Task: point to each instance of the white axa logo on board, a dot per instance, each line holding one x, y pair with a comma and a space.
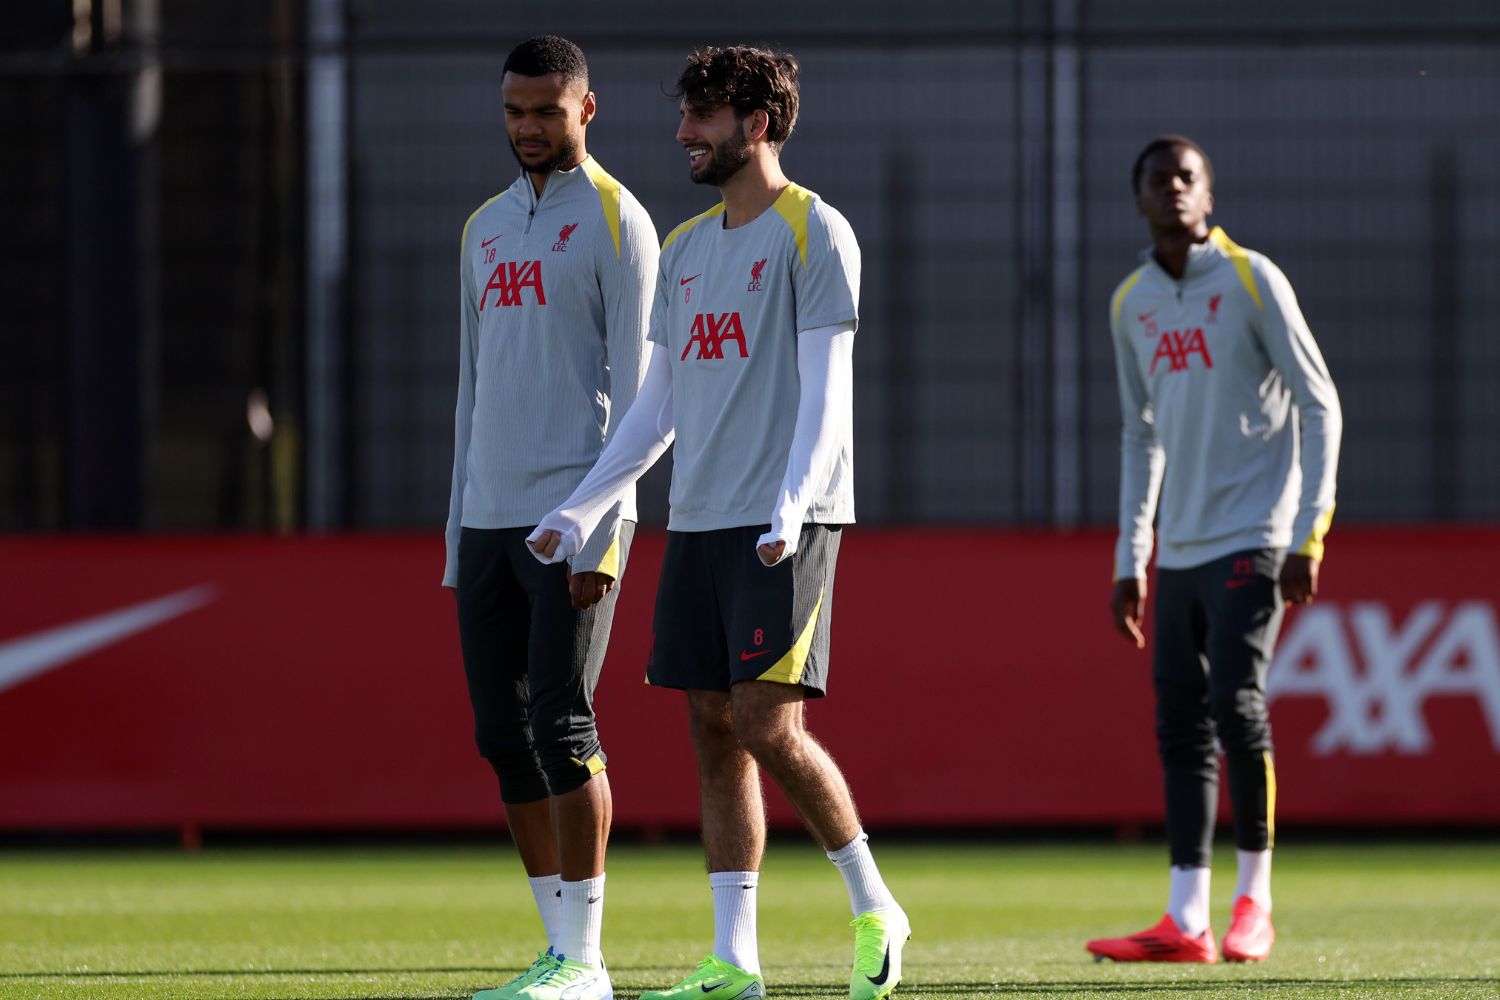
1376, 684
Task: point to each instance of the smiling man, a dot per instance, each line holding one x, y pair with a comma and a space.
1231, 417
556, 274
751, 368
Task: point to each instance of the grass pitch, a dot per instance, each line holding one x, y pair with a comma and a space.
990, 921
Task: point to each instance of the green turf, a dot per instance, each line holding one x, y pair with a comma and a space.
1355, 921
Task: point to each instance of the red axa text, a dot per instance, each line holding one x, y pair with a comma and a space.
1177, 346
710, 331
508, 281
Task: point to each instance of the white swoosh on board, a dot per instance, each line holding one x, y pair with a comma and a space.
24, 658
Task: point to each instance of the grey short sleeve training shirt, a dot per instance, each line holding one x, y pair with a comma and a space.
729, 305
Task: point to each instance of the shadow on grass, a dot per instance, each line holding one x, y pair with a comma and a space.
1356, 987
1054, 988
480, 970
809, 989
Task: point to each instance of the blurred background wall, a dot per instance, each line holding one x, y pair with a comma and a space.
228, 287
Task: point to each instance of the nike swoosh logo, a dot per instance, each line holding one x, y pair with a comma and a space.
709, 989
750, 656
885, 969
28, 656
579, 989
485, 243
593, 900
683, 281
1231, 584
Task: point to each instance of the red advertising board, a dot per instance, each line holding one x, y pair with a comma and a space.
255, 683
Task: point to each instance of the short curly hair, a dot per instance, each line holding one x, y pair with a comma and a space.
544, 55
1168, 141
746, 79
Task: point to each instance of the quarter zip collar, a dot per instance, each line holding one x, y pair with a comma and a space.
1202, 257
558, 179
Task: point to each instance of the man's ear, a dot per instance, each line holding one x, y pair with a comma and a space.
757, 124
590, 108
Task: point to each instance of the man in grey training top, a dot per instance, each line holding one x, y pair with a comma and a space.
751, 368
556, 275
1231, 417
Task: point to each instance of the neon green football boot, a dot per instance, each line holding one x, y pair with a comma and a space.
568, 980
879, 938
544, 961
724, 981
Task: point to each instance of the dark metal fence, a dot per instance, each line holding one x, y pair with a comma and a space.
223, 213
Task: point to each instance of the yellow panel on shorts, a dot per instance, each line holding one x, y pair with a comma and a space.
788, 669
594, 764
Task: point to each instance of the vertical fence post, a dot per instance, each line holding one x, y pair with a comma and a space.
1034, 381
327, 262
1447, 417
1067, 368
109, 119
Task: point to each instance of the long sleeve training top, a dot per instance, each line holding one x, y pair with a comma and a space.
1230, 416
554, 309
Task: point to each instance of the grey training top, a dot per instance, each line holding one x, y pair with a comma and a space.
1229, 412
729, 306
554, 307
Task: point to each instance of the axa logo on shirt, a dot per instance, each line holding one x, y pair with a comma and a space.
1177, 346
710, 331
1377, 684
510, 279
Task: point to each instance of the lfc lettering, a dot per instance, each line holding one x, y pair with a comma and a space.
510, 279
710, 331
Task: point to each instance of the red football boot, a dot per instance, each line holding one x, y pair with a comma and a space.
1250, 932
1162, 943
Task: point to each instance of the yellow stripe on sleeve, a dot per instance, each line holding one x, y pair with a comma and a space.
689, 224
1118, 301
1313, 547
788, 669
609, 197
1241, 261
795, 205
463, 240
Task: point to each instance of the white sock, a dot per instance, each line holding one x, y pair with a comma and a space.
867, 891
582, 921
735, 939
1188, 904
547, 892
1255, 877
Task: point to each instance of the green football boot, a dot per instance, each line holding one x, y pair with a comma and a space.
568, 980
544, 961
879, 938
722, 980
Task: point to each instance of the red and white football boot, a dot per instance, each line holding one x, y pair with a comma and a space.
1250, 932
1162, 943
